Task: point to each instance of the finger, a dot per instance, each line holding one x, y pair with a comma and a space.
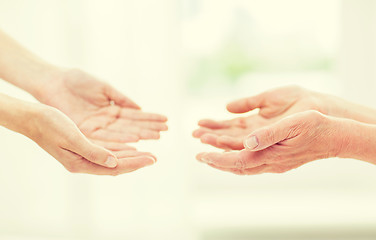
234, 143
237, 159
212, 139
148, 134
140, 115
120, 99
134, 130
246, 104
249, 171
156, 126
107, 135
125, 165
201, 131
130, 153
112, 146
209, 123
92, 152
223, 142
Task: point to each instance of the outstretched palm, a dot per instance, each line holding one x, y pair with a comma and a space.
229, 134
273, 105
101, 113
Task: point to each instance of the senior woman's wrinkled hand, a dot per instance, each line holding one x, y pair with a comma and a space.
284, 145
273, 105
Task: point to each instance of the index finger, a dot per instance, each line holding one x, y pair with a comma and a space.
213, 124
246, 104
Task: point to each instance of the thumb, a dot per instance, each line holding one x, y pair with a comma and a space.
95, 153
267, 136
246, 104
120, 99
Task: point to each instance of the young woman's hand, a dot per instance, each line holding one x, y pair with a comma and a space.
100, 111
60, 137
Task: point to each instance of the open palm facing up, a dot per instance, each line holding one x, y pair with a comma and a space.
60, 137
229, 134
273, 105
102, 113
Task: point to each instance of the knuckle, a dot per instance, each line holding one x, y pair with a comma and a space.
313, 119
306, 121
313, 115
240, 164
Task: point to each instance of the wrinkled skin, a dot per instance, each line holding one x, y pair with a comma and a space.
283, 145
229, 134
273, 105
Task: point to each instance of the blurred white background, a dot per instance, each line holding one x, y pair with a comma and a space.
187, 59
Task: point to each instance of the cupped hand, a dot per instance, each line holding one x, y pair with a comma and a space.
100, 111
61, 138
282, 146
273, 105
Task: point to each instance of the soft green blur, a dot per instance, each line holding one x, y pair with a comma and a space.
241, 38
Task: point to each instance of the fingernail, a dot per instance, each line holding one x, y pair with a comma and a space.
251, 142
152, 160
111, 162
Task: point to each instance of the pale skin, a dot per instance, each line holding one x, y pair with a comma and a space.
294, 126
60, 137
85, 107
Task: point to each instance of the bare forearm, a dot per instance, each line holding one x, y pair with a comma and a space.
22, 68
356, 140
16, 115
338, 107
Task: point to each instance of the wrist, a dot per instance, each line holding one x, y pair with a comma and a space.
353, 139
45, 82
340, 137
30, 111
18, 115
337, 107
325, 103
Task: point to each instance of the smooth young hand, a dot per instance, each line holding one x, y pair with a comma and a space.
100, 111
60, 137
